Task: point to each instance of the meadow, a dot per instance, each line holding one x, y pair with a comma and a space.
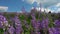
33, 22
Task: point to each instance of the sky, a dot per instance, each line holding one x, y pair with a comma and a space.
16, 5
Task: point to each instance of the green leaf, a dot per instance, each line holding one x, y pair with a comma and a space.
1, 31
22, 17
27, 32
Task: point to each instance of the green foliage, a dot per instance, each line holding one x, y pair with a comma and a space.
27, 32
12, 15
21, 17
51, 23
1, 31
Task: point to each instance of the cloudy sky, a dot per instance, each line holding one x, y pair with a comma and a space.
16, 5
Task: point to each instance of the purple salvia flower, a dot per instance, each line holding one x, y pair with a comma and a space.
1, 25
58, 30
53, 31
33, 20
45, 23
37, 29
57, 23
36, 26
11, 30
3, 21
33, 16
38, 23
34, 23
18, 30
18, 25
50, 32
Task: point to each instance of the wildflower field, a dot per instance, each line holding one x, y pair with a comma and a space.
33, 22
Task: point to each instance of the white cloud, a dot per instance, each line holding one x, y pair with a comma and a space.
49, 5
58, 9
42, 9
58, 4
43, 1
38, 8
55, 8
3, 8
30, 1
